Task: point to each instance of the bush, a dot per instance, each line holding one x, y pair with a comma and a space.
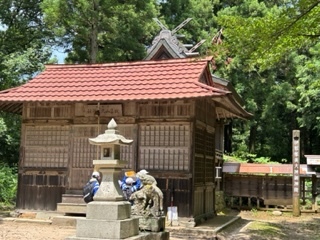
244, 157
8, 185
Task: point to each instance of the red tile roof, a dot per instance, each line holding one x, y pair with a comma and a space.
255, 168
163, 79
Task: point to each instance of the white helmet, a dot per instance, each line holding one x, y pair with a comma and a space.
95, 175
129, 180
143, 171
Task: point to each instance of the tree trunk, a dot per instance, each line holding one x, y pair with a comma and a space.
93, 38
252, 139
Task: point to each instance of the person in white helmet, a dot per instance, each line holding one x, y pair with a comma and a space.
143, 171
95, 177
128, 190
136, 185
91, 188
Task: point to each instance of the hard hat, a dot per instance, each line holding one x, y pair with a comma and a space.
143, 171
130, 173
129, 180
96, 174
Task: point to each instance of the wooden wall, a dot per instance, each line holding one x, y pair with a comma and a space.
40, 189
174, 140
273, 190
204, 160
164, 139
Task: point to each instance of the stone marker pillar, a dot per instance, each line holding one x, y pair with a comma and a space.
296, 173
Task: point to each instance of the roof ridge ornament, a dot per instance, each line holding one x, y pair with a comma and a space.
171, 38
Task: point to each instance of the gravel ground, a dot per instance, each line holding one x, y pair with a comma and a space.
253, 225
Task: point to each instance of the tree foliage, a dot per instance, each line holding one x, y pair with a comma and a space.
202, 26
263, 34
24, 42
8, 185
273, 47
101, 30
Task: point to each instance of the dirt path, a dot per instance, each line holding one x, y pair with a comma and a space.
10, 230
251, 226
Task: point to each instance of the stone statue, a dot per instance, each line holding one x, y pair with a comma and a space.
148, 201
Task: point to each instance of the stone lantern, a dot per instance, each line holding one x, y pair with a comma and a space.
109, 163
108, 216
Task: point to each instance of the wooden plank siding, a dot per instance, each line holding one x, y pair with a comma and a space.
204, 160
164, 147
40, 191
174, 140
273, 190
164, 140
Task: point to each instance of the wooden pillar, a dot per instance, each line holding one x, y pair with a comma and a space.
314, 192
303, 191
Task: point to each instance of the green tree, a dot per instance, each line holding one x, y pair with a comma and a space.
8, 186
203, 25
308, 107
272, 66
102, 30
262, 33
24, 47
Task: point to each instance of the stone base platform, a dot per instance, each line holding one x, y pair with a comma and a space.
141, 236
153, 224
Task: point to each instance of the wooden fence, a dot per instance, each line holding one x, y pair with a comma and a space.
268, 186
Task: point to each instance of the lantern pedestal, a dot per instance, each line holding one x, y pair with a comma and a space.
109, 189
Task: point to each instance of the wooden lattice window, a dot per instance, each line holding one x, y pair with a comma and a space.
82, 151
127, 152
165, 147
48, 110
165, 109
46, 146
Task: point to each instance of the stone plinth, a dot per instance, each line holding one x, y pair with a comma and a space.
108, 210
107, 229
153, 224
107, 220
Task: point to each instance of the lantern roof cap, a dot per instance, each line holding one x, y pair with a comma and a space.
111, 136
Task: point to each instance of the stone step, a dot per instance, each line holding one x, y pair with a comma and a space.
72, 198
72, 208
66, 220
74, 191
192, 233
